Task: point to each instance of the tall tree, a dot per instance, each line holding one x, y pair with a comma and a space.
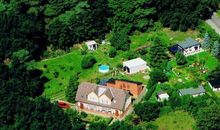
208, 118
216, 48
184, 14
180, 58
72, 88
131, 15
206, 43
120, 40
158, 54
147, 111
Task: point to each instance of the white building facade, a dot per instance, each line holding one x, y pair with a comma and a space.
135, 66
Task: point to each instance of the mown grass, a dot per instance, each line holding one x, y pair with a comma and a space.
175, 120
68, 64
92, 118
218, 13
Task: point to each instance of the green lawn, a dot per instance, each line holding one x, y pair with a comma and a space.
92, 118
175, 120
68, 64
217, 94
191, 76
210, 61
166, 35
218, 13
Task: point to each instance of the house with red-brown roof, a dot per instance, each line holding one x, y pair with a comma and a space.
135, 88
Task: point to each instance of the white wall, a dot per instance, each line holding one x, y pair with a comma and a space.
138, 68
104, 100
191, 50
93, 97
128, 102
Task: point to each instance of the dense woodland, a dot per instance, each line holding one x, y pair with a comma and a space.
28, 27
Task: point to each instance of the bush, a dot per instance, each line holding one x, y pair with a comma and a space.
119, 65
112, 52
147, 111
150, 91
131, 55
180, 59
88, 62
143, 51
56, 74
71, 68
45, 66
83, 115
83, 52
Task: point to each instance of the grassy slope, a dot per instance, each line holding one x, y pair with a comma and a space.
70, 63
175, 120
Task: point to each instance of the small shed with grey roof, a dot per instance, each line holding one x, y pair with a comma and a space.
192, 91
134, 65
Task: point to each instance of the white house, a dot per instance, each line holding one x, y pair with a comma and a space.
134, 66
161, 96
192, 91
92, 45
189, 47
103, 99
215, 85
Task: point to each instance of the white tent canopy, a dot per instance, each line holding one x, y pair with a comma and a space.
134, 65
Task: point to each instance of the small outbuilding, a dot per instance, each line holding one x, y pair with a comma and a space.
161, 96
134, 65
192, 91
92, 45
214, 84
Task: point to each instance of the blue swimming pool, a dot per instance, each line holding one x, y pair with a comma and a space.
103, 68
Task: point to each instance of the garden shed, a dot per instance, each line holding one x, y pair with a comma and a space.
92, 45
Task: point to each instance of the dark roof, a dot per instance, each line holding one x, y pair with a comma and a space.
192, 91
103, 81
118, 96
173, 49
113, 81
161, 92
215, 83
189, 42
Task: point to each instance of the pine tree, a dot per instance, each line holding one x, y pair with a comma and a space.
206, 42
180, 59
158, 54
72, 88
215, 48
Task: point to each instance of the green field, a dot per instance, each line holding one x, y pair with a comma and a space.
92, 118
70, 63
167, 36
178, 120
